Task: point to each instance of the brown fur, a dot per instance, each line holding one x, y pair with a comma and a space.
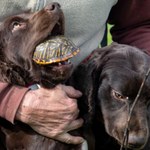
19, 35
114, 70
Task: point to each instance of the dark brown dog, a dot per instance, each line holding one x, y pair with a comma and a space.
19, 36
110, 80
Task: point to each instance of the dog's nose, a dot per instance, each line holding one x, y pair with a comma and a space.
136, 141
53, 7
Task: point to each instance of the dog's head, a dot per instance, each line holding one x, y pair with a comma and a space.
122, 70
19, 36
115, 74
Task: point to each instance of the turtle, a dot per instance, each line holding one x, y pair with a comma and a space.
55, 50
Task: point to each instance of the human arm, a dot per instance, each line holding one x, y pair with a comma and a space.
131, 23
10, 98
58, 104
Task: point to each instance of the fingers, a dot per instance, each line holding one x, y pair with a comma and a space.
71, 92
75, 124
69, 139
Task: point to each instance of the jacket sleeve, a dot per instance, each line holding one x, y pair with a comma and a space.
131, 23
10, 98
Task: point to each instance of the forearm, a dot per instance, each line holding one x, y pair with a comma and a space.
131, 23
138, 37
10, 99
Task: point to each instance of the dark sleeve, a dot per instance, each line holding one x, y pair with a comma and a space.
10, 98
131, 23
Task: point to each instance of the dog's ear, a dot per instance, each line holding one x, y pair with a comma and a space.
3, 63
8, 71
81, 79
2, 43
86, 79
5, 34
93, 72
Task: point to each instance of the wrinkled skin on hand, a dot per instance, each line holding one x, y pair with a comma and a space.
52, 112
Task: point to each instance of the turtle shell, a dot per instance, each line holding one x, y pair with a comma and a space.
54, 50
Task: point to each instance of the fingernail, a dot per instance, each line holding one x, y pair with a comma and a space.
82, 140
80, 93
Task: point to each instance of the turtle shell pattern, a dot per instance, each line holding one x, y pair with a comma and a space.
54, 50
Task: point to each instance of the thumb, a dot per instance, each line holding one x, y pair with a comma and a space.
72, 92
69, 139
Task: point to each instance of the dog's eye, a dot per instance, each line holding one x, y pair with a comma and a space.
118, 96
16, 25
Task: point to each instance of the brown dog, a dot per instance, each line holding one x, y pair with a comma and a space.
110, 81
19, 36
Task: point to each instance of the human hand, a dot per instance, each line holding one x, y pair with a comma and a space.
52, 112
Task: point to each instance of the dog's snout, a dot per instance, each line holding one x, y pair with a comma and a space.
53, 7
136, 141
